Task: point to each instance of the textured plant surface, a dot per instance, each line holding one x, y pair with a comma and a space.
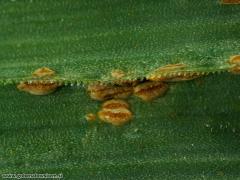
191, 132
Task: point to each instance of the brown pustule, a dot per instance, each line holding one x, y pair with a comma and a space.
235, 61
43, 72
102, 92
150, 90
173, 73
90, 117
115, 112
37, 88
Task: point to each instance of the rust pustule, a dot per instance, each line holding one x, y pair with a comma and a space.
90, 117
103, 92
183, 76
150, 90
126, 83
115, 104
117, 74
41, 86
119, 78
172, 67
43, 72
235, 61
235, 70
37, 88
173, 73
116, 112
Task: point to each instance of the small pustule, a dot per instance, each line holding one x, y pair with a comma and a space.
151, 90
102, 92
43, 72
90, 117
115, 112
118, 78
173, 73
117, 74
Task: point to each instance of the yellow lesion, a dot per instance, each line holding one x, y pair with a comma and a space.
172, 67
117, 74
121, 78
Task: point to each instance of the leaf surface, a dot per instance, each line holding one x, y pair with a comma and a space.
84, 40
191, 132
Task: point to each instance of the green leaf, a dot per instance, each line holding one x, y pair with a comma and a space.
84, 40
190, 133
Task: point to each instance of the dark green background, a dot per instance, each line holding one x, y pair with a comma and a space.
192, 132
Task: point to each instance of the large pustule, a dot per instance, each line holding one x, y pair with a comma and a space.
41, 84
173, 73
151, 90
235, 62
101, 92
38, 88
115, 112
